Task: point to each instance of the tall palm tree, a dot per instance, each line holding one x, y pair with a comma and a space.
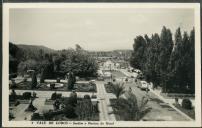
130, 109
118, 89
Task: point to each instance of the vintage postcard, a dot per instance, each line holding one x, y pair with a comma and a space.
101, 65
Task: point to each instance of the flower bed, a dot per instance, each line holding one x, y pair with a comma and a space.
79, 87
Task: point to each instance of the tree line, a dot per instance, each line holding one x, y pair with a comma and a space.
167, 62
52, 64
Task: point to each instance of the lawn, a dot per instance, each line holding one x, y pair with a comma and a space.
79, 87
116, 74
189, 112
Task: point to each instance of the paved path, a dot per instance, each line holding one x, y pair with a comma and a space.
171, 104
104, 103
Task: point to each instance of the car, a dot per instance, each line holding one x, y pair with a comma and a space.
144, 85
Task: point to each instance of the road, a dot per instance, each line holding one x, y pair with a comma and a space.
159, 109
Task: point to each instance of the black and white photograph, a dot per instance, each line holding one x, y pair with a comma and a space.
101, 64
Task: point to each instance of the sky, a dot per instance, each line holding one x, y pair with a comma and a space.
94, 29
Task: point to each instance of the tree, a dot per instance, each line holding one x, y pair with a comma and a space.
42, 77
167, 63
130, 109
166, 46
29, 64
190, 63
118, 89
34, 81
80, 63
71, 80
138, 51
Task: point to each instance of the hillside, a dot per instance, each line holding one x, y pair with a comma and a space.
33, 48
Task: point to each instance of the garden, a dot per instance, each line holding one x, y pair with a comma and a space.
70, 108
54, 86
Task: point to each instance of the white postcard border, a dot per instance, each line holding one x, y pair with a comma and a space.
5, 82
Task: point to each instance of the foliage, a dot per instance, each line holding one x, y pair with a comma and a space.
50, 63
22, 53
187, 104
69, 111
55, 96
129, 109
118, 89
86, 96
72, 99
71, 80
137, 56
34, 81
27, 65
36, 116
26, 95
79, 62
166, 63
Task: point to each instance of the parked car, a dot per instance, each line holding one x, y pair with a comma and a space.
144, 85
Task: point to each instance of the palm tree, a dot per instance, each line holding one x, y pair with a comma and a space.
129, 108
118, 89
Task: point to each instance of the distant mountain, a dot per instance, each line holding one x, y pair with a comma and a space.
34, 48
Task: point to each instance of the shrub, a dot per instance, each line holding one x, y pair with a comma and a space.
42, 76
86, 96
69, 111
36, 116
58, 80
93, 96
52, 86
187, 104
71, 81
49, 115
25, 80
27, 95
17, 103
34, 81
55, 96
72, 101
13, 83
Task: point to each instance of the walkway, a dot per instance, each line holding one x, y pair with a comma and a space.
104, 103
171, 104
